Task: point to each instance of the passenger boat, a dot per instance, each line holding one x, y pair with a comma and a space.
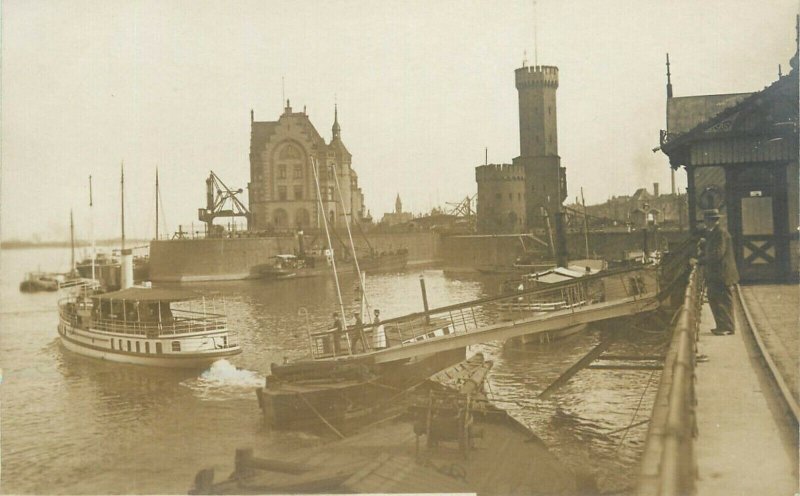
40, 281
288, 266
146, 326
107, 269
336, 383
575, 296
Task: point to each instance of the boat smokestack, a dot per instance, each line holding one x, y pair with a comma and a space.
126, 276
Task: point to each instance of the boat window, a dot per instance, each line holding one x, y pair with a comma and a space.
146, 347
138, 350
159, 350
176, 346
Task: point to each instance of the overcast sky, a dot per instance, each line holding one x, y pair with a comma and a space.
422, 86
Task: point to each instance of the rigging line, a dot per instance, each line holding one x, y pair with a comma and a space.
330, 247
347, 221
635, 412
320, 416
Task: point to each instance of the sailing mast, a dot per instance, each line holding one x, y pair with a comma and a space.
347, 220
122, 200
330, 246
126, 254
156, 203
91, 227
71, 243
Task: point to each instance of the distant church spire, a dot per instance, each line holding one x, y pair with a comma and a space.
398, 205
336, 130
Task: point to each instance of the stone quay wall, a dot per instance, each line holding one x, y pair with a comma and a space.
217, 259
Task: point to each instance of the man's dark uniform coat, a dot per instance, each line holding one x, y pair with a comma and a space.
721, 275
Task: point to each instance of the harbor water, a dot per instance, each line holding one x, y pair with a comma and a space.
74, 425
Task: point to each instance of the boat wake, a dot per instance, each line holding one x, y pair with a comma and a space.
223, 381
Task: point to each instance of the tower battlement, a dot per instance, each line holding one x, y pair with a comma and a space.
499, 172
536, 76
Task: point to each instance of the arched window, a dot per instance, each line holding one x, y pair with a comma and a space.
302, 218
280, 218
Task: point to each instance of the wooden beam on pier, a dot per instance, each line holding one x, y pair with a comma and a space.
580, 364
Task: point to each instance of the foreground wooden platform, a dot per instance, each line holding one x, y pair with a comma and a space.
507, 459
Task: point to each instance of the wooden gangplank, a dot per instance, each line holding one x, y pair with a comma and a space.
510, 329
592, 298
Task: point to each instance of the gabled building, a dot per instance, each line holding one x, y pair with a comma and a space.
282, 190
740, 152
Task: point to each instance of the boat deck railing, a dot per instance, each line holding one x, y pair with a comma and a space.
632, 284
181, 322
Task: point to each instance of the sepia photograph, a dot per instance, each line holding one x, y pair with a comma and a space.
527, 247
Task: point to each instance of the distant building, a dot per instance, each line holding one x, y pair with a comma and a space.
282, 190
522, 195
640, 209
740, 153
398, 216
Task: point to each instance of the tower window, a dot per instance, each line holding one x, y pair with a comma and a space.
549, 110
298, 192
298, 171
282, 193
282, 171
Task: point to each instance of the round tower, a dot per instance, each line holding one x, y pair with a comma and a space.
537, 86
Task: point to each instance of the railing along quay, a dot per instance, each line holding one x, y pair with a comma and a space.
668, 465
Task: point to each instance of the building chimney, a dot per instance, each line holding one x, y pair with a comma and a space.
672, 177
655, 189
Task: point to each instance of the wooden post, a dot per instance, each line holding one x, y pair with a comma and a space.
585, 224
424, 298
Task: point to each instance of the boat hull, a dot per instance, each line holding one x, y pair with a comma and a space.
390, 262
300, 405
97, 346
552, 335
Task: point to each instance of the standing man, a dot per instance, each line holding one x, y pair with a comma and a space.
356, 333
721, 273
337, 334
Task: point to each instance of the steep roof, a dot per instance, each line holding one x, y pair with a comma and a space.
260, 133
785, 83
686, 112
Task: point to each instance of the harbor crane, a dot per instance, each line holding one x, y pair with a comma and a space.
218, 197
